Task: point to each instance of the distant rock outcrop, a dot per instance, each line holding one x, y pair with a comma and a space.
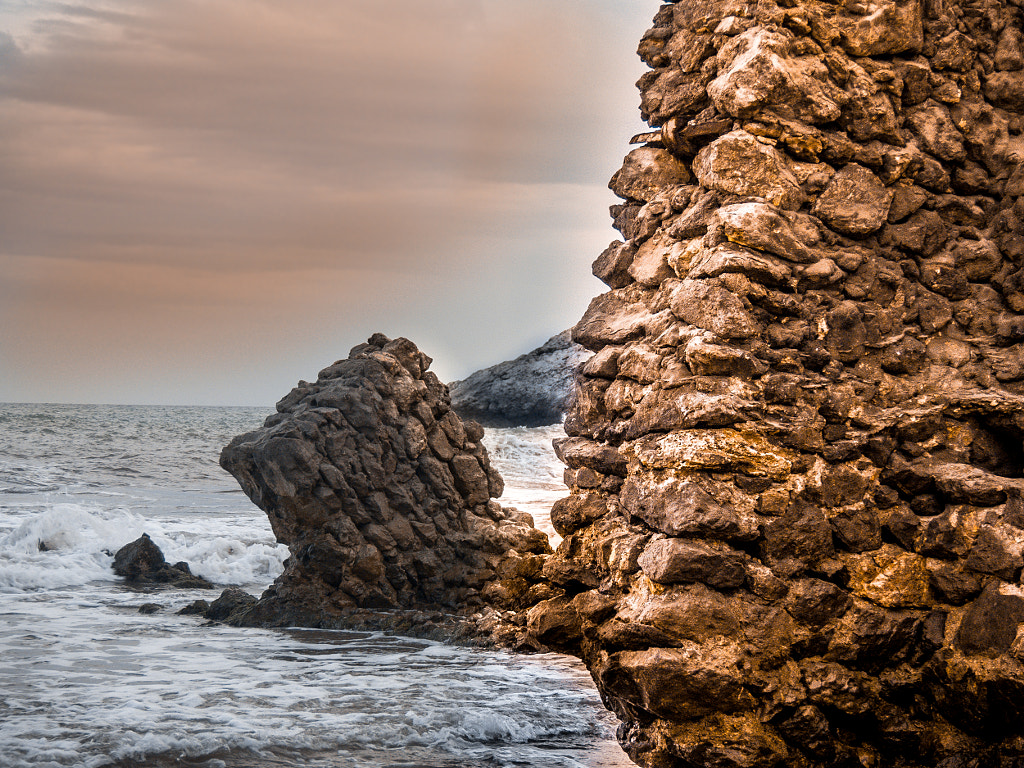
383, 496
795, 534
531, 391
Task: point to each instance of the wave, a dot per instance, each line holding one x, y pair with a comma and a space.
363, 699
524, 456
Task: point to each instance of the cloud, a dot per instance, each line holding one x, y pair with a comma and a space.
311, 140
9, 50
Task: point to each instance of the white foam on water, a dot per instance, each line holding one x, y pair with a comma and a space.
228, 560
532, 473
61, 545
150, 686
67, 544
524, 456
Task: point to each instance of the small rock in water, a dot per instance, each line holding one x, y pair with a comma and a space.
139, 559
142, 562
195, 608
148, 608
232, 600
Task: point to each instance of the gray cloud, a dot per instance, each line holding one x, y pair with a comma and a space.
10, 53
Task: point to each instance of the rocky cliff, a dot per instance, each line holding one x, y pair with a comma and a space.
795, 529
530, 391
384, 498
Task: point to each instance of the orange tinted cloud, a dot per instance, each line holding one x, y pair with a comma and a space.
169, 169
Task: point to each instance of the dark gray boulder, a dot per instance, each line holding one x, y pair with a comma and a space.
142, 563
231, 601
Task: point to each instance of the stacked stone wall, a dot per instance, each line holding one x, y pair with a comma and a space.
795, 532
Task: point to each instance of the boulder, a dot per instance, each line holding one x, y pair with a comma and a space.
739, 164
645, 171
383, 496
757, 72
771, 229
232, 601
142, 563
886, 27
855, 202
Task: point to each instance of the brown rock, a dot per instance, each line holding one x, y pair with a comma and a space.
739, 164
756, 71
726, 258
612, 266
650, 265
847, 334
377, 511
645, 171
707, 304
674, 561
771, 229
682, 508
855, 202
891, 26
936, 132
142, 562
1006, 90
819, 413
990, 623
1008, 55
611, 319
802, 534
816, 602
679, 683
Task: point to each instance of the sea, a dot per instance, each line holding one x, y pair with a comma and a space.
86, 679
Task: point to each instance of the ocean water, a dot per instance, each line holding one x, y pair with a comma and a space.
87, 680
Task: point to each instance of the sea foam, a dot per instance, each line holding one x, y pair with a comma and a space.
69, 544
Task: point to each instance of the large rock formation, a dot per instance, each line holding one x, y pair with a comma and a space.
530, 391
383, 496
795, 532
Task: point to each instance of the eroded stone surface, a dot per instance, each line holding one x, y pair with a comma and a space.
757, 72
799, 536
739, 164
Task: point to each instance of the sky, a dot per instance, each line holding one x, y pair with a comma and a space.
204, 201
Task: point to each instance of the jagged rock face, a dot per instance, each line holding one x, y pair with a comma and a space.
795, 532
530, 391
382, 494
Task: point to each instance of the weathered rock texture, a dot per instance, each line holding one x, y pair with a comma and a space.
530, 391
383, 496
796, 529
